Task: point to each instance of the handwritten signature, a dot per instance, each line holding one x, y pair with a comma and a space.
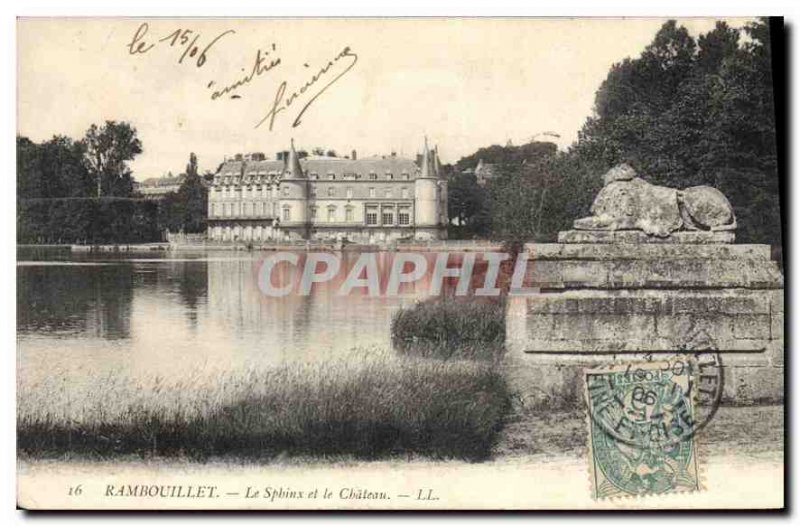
280, 104
265, 61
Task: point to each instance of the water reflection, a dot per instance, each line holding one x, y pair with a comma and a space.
167, 313
93, 300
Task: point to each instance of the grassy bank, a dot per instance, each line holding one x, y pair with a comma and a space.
446, 328
366, 407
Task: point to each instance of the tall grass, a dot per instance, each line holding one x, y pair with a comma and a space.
447, 328
363, 406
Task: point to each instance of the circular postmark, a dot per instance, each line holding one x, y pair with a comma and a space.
655, 404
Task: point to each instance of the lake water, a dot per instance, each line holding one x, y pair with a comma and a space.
167, 313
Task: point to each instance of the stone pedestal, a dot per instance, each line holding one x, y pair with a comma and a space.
616, 296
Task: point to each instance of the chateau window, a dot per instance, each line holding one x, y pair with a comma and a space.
313, 190
348, 213
246, 207
212, 210
404, 193
286, 213
349, 192
388, 193
331, 191
372, 215
404, 216
285, 191
331, 214
387, 216
263, 208
313, 212
372, 192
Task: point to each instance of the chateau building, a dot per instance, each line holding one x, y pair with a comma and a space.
369, 200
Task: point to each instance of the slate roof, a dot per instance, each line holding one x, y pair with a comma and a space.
256, 172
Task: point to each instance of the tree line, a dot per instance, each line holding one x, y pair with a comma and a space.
686, 112
82, 191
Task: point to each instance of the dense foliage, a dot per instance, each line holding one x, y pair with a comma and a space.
686, 112
81, 191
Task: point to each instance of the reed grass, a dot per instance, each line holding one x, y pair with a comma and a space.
451, 329
363, 405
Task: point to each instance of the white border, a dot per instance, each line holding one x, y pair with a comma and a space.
235, 8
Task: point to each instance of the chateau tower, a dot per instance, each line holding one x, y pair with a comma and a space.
293, 203
426, 213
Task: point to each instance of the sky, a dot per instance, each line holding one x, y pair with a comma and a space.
462, 83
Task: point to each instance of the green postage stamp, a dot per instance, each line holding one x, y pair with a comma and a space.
642, 423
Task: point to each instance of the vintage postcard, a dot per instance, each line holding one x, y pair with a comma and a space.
399, 264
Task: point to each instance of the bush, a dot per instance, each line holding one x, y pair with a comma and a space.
364, 406
104, 220
451, 329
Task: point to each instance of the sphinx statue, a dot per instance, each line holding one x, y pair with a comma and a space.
628, 202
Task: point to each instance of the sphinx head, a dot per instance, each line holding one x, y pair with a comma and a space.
620, 172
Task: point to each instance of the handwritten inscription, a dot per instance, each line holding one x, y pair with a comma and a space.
265, 60
262, 64
282, 103
185, 39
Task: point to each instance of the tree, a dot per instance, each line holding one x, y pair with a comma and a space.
193, 196
54, 168
186, 209
689, 113
467, 203
109, 148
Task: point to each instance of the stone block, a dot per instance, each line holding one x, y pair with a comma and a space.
738, 359
683, 329
536, 344
751, 385
751, 326
601, 326
610, 251
774, 352
776, 300
777, 324
637, 237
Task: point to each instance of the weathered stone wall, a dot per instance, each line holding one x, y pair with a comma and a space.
614, 302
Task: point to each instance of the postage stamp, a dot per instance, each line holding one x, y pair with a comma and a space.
642, 422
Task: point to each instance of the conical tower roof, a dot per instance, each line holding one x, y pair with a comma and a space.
293, 169
427, 169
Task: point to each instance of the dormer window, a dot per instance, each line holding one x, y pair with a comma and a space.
314, 175
405, 176
373, 176
331, 176
389, 176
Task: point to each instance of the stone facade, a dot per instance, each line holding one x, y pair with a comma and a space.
604, 298
370, 200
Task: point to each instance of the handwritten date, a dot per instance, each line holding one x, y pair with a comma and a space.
185, 39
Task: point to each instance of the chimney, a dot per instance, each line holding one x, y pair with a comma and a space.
353, 156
